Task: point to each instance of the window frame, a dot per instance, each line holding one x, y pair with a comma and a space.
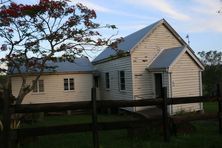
122, 80
69, 83
39, 86
107, 80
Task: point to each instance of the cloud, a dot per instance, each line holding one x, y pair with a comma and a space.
103, 9
197, 15
162, 6
127, 14
94, 6
205, 17
206, 7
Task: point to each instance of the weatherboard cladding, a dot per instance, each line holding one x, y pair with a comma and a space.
166, 58
128, 42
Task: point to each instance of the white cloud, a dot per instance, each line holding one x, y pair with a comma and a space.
197, 15
122, 13
163, 6
206, 7
94, 6
100, 8
205, 17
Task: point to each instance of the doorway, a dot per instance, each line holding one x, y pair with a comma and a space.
158, 84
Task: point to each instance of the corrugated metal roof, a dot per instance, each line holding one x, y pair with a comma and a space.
166, 58
128, 43
79, 65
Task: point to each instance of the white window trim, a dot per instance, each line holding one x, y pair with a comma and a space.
68, 90
37, 85
119, 81
106, 81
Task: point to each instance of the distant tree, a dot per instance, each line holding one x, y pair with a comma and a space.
32, 35
211, 57
212, 74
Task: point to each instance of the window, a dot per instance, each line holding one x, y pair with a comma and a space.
107, 80
69, 84
122, 84
39, 86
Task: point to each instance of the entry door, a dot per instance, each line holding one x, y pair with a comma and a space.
158, 84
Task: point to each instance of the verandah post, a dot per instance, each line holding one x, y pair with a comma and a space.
219, 99
94, 119
165, 116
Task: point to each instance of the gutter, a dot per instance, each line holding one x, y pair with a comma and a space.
110, 58
51, 73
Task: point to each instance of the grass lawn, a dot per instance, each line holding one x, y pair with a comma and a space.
210, 107
205, 136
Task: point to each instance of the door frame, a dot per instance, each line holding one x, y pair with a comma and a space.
154, 82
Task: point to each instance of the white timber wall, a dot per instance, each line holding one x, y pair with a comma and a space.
113, 67
143, 81
186, 82
54, 89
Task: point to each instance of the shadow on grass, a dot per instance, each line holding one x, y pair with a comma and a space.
205, 135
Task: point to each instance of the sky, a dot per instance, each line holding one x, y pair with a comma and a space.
197, 18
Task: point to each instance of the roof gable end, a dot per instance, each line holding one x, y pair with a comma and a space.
129, 42
168, 57
165, 59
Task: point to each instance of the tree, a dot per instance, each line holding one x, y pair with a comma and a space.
32, 35
211, 57
213, 70
4, 1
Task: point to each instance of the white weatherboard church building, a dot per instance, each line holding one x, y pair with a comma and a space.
152, 58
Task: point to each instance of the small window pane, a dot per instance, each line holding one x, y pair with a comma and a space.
107, 80
41, 86
71, 82
35, 86
66, 84
122, 74
122, 87
122, 83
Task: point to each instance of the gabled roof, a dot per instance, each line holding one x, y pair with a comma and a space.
166, 59
129, 42
80, 65
132, 40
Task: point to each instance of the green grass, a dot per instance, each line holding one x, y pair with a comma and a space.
210, 107
76, 119
205, 136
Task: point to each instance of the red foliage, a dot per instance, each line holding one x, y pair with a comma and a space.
15, 10
28, 26
53, 8
70, 10
9, 12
